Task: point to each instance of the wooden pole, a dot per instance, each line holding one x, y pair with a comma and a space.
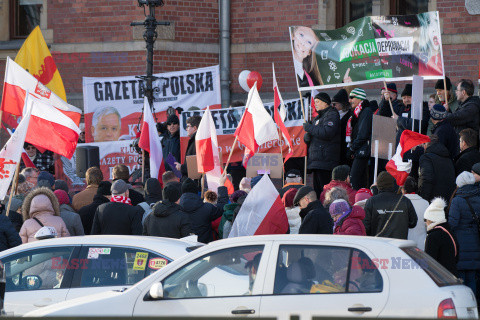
306, 155
389, 100
143, 166
12, 190
203, 185
280, 136
445, 91
229, 156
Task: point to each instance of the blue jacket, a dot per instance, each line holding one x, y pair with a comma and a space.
464, 227
9, 237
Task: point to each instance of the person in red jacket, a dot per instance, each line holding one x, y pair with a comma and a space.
340, 178
347, 220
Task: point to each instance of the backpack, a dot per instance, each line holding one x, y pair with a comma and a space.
148, 208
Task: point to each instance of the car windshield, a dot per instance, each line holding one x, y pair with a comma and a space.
441, 276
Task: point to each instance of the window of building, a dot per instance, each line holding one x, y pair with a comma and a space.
24, 17
406, 7
351, 10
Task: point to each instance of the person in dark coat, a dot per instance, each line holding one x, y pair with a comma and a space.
201, 213
9, 237
436, 173
87, 213
118, 216
468, 112
359, 133
341, 103
444, 130
192, 127
170, 138
464, 228
153, 194
15, 218
120, 172
315, 219
388, 214
323, 139
469, 154
440, 243
167, 218
389, 93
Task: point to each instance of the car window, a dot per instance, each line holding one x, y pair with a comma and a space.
305, 269
37, 269
227, 272
364, 275
117, 266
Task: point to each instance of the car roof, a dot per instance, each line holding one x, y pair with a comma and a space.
169, 247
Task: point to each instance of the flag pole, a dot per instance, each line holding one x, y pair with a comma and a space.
229, 156
202, 184
14, 186
445, 91
280, 138
306, 155
389, 100
143, 166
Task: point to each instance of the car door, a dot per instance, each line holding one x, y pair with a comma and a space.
104, 268
223, 282
38, 277
323, 280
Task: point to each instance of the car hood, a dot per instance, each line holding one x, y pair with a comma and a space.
110, 303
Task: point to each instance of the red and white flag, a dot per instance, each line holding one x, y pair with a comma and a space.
51, 129
26, 160
280, 115
396, 166
10, 154
16, 84
256, 127
150, 142
262, 212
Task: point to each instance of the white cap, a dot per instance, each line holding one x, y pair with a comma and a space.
435, 212
465, 178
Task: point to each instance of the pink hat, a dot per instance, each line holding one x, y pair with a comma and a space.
363, 194
62, 196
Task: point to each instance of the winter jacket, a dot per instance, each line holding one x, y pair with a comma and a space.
464, 227
343, 133
384, 108
167, 220
228, 212
315, 219
352, 223
419, 233
436, 173
171, 144
388, 216
324, 148
87, 213
294, 220
202, 214
84, 197
191, 151
153, 191
72, 220
466, 159
362, 132
452, 106
9, 237
15, 218
289, 186
339, 184
447, 136
466, 115
41, 203
439, 246
117, 218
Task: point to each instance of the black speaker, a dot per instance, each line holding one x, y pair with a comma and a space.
86, 157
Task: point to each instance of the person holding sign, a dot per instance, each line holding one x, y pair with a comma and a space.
389, 93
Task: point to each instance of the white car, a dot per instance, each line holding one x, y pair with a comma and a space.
45, 272
283, 275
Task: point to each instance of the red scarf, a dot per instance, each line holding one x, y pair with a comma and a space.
121, 199
356, 112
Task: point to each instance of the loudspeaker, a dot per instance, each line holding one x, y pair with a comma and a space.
86, 157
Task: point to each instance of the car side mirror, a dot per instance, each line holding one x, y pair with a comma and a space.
156, 291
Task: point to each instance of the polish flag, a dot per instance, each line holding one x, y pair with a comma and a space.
51, 129
280, 115
262, 212
150, 142
256, 126
26, 160
16, 84
396, 166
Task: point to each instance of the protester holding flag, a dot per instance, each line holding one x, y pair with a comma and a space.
315, 219
389, 93
43, 162
323, 139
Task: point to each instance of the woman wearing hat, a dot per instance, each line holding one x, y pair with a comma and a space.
323, 139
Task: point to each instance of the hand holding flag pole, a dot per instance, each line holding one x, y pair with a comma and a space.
394, 115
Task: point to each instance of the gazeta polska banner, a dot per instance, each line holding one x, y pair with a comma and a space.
113, 105
370, 49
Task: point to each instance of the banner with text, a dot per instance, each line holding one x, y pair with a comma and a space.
367, 50
113, 105
227, 121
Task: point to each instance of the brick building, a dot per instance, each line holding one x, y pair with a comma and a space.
94, 39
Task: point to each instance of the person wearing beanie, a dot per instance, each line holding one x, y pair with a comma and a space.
444, 130
347, 220
170, 133
389, 214
70, 217
340, 178
389, 93
323, 139
463, 218
358, 135
362, 196
440, 242
226, 222
315, 219
467, 115
293, 179
167, 219
341, 103
417, 234
452, 104
45, 179
469, 154
87, 213
153, 194
293, 212
192, 126
202, 214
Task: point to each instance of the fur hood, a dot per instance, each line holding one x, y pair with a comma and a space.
40, 204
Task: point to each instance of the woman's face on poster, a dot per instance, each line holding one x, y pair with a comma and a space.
303, 41
433, 33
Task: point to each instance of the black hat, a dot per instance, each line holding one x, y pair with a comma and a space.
385, 181
439, 84
172, 191
408, 90
438, 112
172, 119
341, 97
323, 96
302, 192
340, 173
21, 178
189, 186
476, 168
391, 87
293, 173
104, 188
